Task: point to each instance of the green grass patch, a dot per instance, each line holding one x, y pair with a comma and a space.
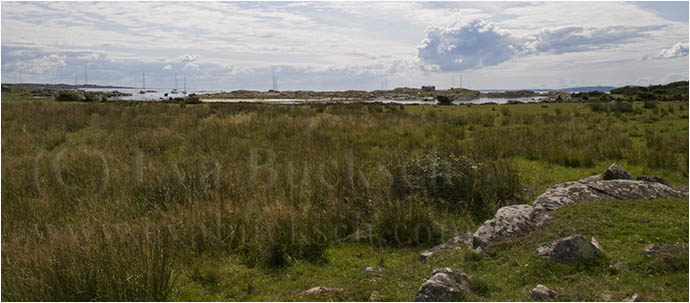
507, 273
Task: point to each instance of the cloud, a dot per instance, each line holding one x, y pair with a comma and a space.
188, 58
46, 64
578, 39
337, 45
191, 66
679, 49
466, 46
480, 43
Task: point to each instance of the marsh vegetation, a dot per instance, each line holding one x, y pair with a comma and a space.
151, 201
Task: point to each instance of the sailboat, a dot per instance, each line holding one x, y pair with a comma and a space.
174, 91
184, 91
143, 83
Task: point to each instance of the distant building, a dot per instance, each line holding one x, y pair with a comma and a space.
428, 88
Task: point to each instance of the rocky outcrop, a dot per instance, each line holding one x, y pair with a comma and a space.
445, 285
596, 244
655, 249
541, 292
458, 242
509, 221
573, 249
634, 298
605, 297
616, 171
652, 179
373, 270
374, 296
613, 184
320, 290
577, 191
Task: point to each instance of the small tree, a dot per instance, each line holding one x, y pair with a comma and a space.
443, 100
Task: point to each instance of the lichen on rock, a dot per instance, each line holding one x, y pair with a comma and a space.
445, 285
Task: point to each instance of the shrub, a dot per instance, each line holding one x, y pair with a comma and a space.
478, 189
443, 100
91, 97
192, 99
645, 96
68, 95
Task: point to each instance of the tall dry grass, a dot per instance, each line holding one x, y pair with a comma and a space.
273, 185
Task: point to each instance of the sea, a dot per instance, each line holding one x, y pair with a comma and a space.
165, 94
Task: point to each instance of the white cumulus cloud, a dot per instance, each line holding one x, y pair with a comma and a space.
188, 58
679, 49
480, 43
466, 45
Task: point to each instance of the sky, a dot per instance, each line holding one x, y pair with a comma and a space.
346, 45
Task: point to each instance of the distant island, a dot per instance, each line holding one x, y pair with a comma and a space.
668, 92
586, 89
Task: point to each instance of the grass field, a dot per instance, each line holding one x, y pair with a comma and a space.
150, 201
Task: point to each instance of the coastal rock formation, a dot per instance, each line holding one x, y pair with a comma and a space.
541, 292
616, 171
573, 249
510, 220
614, 184
572, 192
652, 179
445, 285
458, 242
515, 220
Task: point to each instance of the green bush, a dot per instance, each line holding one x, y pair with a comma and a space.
443, 100
68, 95
92, 97
192, 99
475, 188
